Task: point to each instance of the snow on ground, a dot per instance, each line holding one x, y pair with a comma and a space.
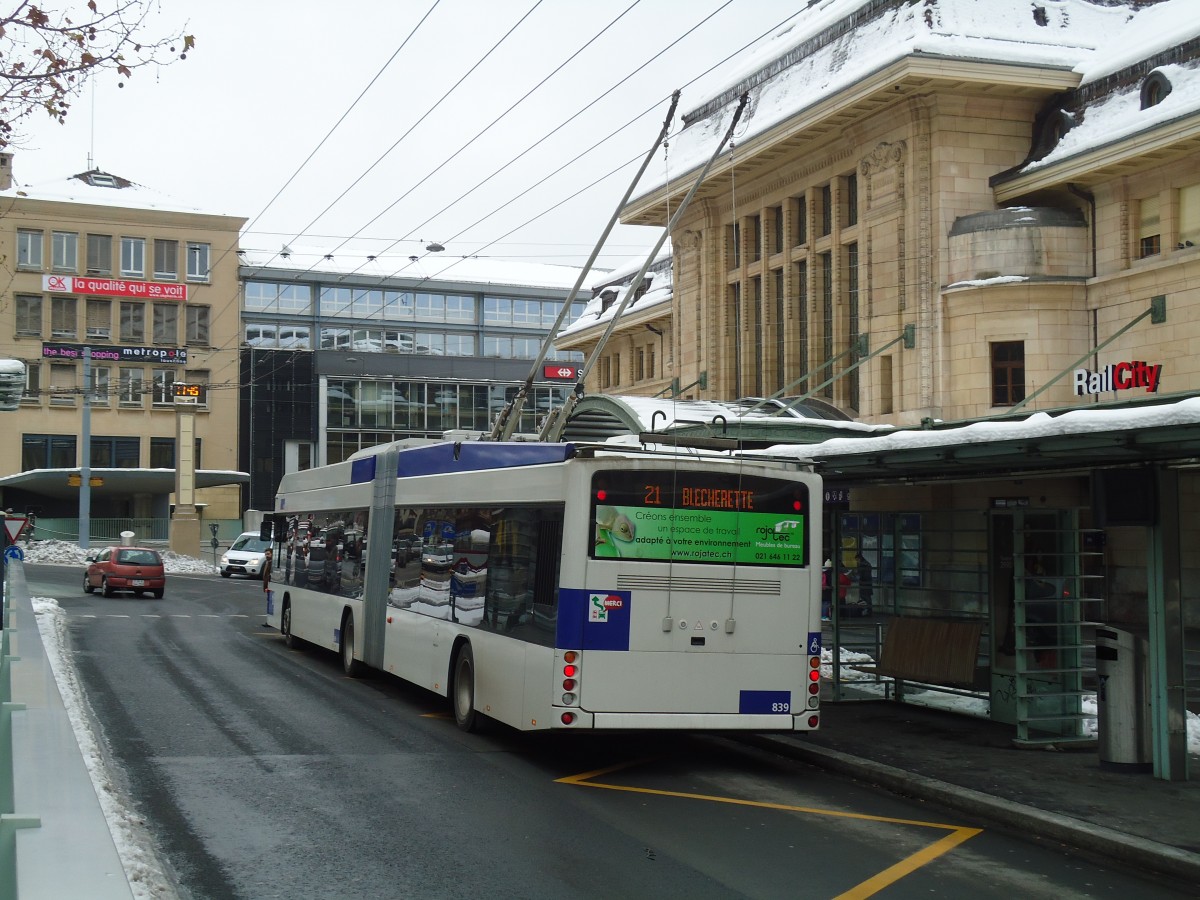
135, 846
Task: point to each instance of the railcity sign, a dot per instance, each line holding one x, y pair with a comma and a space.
1122, 376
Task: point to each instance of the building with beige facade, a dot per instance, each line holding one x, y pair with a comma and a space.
929, 218
99, 266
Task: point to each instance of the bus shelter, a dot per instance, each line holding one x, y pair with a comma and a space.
983, 556
996, 550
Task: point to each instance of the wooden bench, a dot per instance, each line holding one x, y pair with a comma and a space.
933, 651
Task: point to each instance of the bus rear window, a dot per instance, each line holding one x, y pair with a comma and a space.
701, 517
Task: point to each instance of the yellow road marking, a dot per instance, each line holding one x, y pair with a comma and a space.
873, 885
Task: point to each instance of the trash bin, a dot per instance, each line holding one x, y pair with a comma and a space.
1122, 701
127, 538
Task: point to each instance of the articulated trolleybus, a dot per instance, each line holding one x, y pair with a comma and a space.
563, 586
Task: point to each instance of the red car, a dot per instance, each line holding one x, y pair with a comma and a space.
135, 569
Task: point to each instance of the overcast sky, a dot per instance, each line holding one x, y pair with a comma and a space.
268, 80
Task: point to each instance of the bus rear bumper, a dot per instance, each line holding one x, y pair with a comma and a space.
689, 722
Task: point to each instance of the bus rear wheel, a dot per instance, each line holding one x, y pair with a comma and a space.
350, 665
462, 693
285, 628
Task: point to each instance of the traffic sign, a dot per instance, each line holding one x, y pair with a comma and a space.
14, 552
14, 525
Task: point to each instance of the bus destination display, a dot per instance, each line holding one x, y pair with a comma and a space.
699, 517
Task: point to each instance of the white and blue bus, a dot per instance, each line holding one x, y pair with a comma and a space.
563, 586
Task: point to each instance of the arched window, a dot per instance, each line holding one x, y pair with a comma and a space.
1155, 89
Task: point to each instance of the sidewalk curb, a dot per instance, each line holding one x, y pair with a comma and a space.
1127, 848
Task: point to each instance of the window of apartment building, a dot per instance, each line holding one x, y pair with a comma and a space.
197, 261
29, 315
777, 229
64, 251
133, 323
116, 452
496, 311
800, 276
825, 262
99, 254
801, 221
166, 323
1189, 216
133, 257
129, 389
851, 187
605, 372
464, 345
1008, 372
62, 384
64, 312
99, 319
733, 235
47, 451
755, 225
99, 377
651, 362
29, 249
33, 381
887, 403
166, 259
162, 453
780, 316
639, 365
852, 379
1149, 232
198, 334
826, 194
162, 391
269, 296
735, 329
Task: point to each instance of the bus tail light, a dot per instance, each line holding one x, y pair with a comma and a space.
567, 718
570, 682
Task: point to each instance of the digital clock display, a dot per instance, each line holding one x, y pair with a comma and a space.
190, 393
709, 517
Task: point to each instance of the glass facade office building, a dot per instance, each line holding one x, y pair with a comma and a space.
384, 361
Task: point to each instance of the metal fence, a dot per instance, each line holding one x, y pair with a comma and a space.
108, 531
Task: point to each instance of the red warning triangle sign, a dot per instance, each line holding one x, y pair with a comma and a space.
14, 527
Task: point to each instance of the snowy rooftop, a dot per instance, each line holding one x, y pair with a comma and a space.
1093, 420
658, 294
364, 262
1092, 39
97, 188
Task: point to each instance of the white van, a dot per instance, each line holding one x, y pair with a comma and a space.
245, 556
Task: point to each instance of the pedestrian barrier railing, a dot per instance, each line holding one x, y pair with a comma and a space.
54, 838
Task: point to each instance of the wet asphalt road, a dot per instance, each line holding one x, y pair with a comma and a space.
264, 772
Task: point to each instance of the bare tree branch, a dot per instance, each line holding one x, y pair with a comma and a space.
47, 56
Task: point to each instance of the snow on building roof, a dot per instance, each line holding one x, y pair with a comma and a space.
600, 309
98, 188
1119, 115
1038, 425
364, 263
837, 43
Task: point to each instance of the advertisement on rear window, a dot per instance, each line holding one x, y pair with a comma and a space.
699, 517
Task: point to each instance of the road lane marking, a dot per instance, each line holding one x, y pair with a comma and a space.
873, 885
